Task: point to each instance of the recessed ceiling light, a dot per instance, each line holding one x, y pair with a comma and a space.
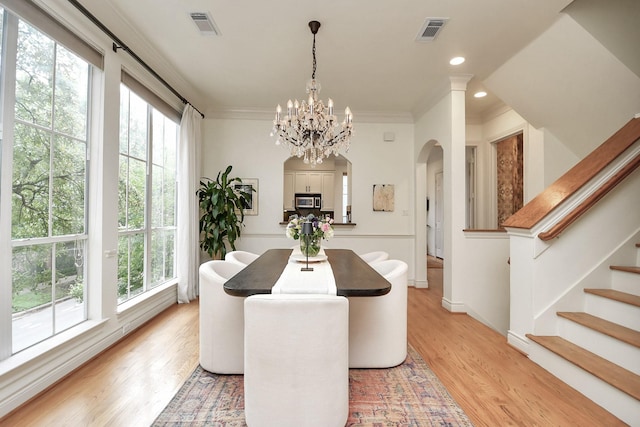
480, 94
457, 60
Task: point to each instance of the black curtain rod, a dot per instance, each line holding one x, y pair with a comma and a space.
119, 44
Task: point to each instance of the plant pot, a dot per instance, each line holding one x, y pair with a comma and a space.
312, 248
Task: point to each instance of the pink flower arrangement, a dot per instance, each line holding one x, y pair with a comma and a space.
322, 228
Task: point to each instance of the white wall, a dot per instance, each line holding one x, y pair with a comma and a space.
566, 81
486, 277
558, 159
245, 144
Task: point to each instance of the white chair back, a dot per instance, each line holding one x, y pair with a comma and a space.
221, 320
376, 256
241, 257
391, 269
296, 360
378, 325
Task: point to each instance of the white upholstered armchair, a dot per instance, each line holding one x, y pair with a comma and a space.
378, 325
296, 360
241, 257
221, 320
375, 256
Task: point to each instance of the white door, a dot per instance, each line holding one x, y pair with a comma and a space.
471, 188
439, 216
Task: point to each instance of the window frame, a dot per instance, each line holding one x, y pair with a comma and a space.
153, 104
8, 85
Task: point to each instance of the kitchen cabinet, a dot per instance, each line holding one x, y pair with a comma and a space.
288, 201
328, 201
308, 182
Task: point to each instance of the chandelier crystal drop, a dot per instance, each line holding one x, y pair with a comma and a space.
309, 129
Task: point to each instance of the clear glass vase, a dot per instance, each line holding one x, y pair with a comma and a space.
312, 248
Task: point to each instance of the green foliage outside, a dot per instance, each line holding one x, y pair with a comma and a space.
76, 290
133, 187
49, 168
50, 174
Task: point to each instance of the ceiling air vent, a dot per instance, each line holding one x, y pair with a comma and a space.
430, 29
204, 23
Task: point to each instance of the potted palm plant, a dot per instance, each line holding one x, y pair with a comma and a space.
222, 214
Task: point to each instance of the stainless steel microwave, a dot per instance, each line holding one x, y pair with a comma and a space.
308, 201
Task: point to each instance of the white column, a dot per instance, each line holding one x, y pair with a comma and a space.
454, 199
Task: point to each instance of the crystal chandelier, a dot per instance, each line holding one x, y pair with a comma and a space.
308, 128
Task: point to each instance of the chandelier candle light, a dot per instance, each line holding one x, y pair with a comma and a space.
309, 128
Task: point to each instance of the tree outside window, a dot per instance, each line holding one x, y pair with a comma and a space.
147, 197
49, 186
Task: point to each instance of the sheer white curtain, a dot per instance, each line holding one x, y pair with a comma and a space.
188, 250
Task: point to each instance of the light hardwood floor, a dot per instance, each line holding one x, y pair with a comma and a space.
129, 384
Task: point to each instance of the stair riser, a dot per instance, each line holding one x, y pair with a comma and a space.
625, 282
610, 398
616, 351
613, 311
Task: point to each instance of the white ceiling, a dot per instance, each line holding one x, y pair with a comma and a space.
367, 53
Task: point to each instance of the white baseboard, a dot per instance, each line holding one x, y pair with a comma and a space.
29, 379
38, 382
518, 342
421, 284
453, 307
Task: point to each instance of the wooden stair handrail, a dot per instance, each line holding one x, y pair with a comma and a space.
577, 177
589, 202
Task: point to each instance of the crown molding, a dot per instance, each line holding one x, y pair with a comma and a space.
268, 114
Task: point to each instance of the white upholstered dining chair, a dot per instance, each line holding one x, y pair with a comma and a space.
378, 325
296, 360
241, 257
221, 320
375, 256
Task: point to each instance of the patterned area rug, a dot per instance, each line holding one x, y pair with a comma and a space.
407, 395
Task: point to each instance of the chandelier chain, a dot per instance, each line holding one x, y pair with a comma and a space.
309, 129
313, 74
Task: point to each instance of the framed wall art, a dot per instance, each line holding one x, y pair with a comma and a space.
383, 197
250, 186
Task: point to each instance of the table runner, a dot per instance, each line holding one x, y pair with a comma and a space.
294, 281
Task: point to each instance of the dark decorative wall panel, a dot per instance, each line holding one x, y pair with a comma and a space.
510, 176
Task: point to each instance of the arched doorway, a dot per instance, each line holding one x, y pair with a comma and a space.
429, 163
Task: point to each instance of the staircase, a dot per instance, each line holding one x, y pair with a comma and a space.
597, 350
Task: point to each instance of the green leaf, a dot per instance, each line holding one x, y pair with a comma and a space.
219, 222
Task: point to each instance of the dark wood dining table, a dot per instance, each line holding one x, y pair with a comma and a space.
353, 276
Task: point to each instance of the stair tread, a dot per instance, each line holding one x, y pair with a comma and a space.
606, 327
609, 372
627, 268
616, 295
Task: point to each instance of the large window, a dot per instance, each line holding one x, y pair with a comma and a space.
147, 196
45, 177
